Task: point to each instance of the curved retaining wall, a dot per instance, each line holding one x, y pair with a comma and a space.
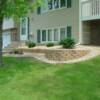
65, 55
60, 54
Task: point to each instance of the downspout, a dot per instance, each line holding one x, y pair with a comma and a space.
80, 22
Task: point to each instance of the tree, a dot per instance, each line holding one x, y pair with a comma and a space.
14, 9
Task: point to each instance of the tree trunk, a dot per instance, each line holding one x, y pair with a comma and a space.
1, 23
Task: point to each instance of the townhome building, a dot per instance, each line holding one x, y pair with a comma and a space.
57, 19
51, 22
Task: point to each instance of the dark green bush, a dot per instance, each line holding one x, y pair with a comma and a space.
16, 51
30, 44
67, 43
50, 44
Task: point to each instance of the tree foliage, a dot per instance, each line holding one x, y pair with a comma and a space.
17, 8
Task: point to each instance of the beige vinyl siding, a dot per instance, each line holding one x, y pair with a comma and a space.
55, 19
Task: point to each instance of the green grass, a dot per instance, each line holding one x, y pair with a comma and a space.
29, 79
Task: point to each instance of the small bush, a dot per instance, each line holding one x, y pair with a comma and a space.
67, 43
30, 44
16, 51
50, 44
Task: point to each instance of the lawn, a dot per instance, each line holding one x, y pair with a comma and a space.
29, 79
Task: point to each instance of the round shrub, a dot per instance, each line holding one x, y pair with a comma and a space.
67, 43
50, 44
16, 51
30, 44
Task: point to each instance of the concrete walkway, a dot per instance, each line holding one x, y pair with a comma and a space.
94, 51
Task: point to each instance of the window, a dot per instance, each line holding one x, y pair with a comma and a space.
56, 4
49, 35
63, 3
53, 4
23, 26
44, 6
50, 4
43, 35
52, 34
56, 35
69, 3
62, 33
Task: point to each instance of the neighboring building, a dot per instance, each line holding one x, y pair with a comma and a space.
90, 18
57, 19
10, 33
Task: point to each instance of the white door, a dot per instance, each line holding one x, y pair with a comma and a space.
6, 39
24, 29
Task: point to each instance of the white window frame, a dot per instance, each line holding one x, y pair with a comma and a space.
65, 31
53, 7
44, 7
52, 29
58, 34
42, 36
26, 26
51, 35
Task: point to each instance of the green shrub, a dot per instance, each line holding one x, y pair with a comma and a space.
50, 44
30, 44
67, 43
16, 51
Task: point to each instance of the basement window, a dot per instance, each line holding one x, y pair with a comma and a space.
50, 4
62, 3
